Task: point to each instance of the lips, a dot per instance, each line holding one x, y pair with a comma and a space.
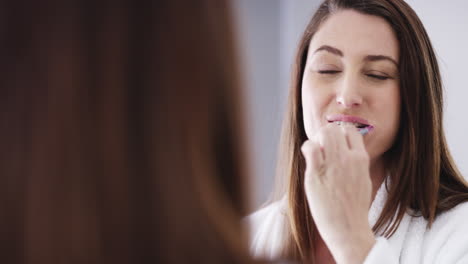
358, 122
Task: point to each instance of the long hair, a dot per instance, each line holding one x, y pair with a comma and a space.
121, 133
423, 174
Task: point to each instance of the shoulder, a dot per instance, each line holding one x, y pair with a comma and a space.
450, 222
264, 215
267, 219
447, 240
459, 212
268, 229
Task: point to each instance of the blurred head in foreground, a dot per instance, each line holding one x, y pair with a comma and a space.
120, 133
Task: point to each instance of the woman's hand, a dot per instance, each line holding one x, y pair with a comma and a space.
338, 189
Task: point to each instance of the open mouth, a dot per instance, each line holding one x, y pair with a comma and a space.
360, 123
356, 124
362, 128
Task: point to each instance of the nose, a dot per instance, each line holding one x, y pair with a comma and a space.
348, 94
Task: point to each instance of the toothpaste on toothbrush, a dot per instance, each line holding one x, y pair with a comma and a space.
366, 130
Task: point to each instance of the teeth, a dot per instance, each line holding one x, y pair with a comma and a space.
343, 122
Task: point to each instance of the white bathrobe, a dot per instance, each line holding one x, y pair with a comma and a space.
445, 242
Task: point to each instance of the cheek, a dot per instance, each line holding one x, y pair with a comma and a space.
313, 105
390, 112
387, 112
393, 109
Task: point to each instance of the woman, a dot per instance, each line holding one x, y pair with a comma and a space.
369, 177
120, 133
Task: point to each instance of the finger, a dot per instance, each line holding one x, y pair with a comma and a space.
347, 131
355, 140
334, 142
318, 140
313, 155
343, 139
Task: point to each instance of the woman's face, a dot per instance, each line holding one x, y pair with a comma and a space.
351, 75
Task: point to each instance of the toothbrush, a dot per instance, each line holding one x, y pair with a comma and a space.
366, 130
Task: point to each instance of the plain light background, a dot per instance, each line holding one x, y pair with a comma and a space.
268, 33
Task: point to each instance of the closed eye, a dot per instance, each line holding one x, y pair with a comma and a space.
378, 77
328, 72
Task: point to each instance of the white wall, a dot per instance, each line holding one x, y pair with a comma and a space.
258, 25
268, 34
447, 25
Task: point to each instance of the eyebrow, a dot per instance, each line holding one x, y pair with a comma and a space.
367, 58
379, 58
330, 49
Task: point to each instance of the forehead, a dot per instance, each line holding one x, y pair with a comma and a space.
357, 34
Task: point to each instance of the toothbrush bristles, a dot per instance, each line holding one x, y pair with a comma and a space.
364, 131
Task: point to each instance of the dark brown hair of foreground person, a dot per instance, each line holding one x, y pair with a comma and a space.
423, 174
120, 133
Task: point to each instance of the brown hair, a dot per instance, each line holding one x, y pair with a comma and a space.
121, 134
423, 174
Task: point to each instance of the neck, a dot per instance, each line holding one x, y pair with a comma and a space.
377, 174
